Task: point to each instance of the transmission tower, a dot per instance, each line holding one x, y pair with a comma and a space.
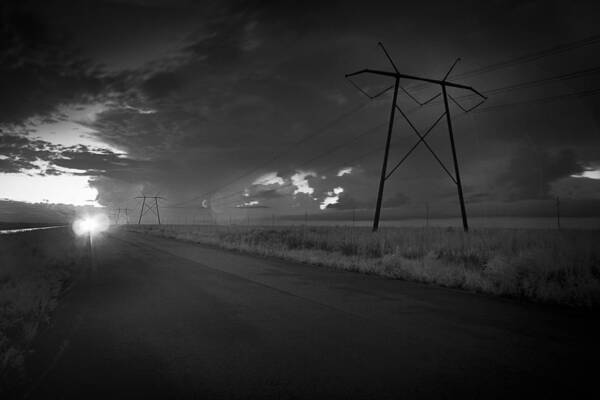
121, 214
444, 84
147, 206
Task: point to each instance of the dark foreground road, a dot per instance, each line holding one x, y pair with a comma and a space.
155, 318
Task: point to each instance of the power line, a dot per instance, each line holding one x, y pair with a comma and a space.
526, 85
541, 100
145, 208
489, 68
561, 48
287, 150
500, 107
443, 84
371, 152
541, 82
525, 58
319, 156
334, 149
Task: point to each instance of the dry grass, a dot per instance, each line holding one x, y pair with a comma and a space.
35, 268
546, 266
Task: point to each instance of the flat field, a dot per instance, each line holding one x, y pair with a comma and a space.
548, 266
35, 269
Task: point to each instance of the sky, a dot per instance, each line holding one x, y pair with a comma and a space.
242, 108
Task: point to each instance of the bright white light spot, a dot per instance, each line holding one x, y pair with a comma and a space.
333, 197
592, 174
269, 179
299, 180
63, 189
91, 224
345, 171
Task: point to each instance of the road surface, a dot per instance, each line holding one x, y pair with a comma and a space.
158, 318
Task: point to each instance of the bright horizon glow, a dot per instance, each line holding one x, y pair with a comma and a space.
58, 189
74, 130
592, 174
91, 224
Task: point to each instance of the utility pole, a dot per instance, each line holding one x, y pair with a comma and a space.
444, 84
118, 215
427, 214
149, 207
558, 212
385, 157
142, 209
463, 211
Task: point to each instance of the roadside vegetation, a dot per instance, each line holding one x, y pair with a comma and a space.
35, 269
560, 267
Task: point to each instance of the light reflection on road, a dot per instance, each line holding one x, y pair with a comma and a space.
9, 231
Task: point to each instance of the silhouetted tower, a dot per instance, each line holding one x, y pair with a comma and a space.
443, 84
121, 213
147, 206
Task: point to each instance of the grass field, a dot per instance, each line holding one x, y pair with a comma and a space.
35, 269
549, 266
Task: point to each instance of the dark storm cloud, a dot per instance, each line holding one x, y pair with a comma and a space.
257, 206
396, 200
347, 202
531, 175
17, 211
93, 163
38, 69
23, 155
199, 94
266, 194
21, 152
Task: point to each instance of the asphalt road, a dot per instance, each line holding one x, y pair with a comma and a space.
157, 318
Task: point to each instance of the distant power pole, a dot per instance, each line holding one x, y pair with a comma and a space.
149, 207
558, 212
121, 212
443, 84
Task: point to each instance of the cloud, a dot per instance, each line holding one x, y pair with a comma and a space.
331, 198
344, 171
397, 200
267, 194
347, 202
39, 69
530, 174
300, 181
270, 178
251, 204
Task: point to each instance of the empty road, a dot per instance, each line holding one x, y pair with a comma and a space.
158, 318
